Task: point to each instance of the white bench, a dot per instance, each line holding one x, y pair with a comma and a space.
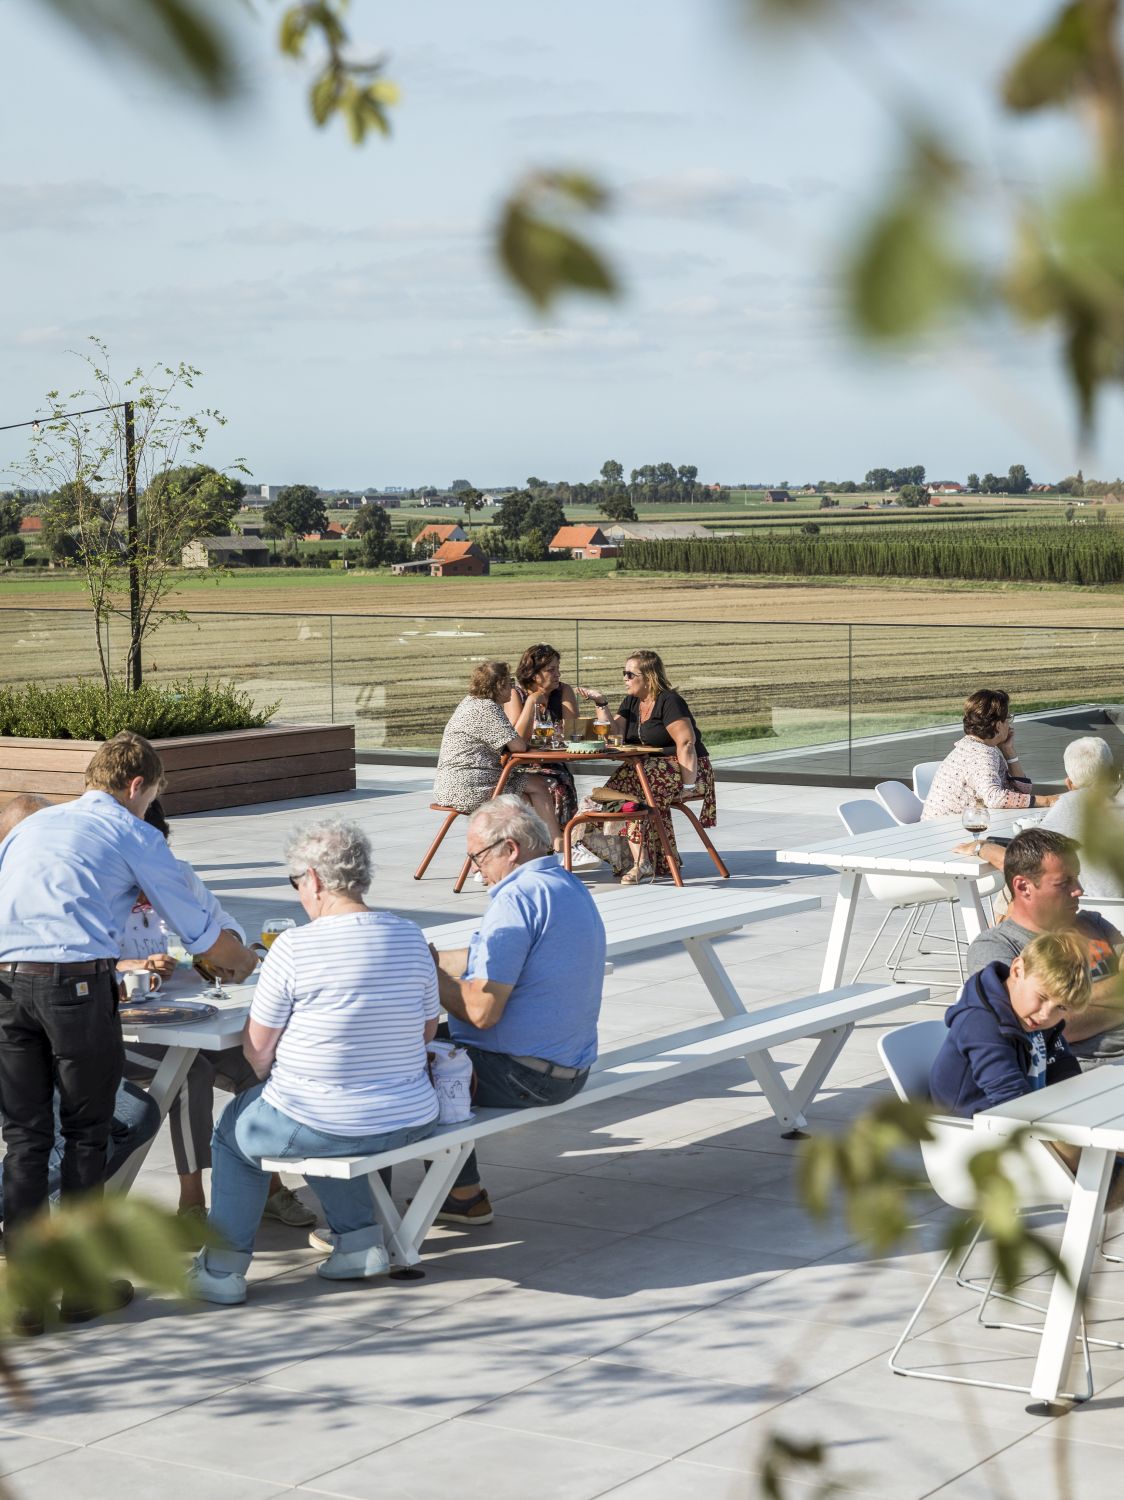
828, 1018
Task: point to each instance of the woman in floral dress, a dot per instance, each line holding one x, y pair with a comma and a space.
652, 713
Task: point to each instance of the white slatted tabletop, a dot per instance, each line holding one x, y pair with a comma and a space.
1087, 1112
906, 849
638, 918
909, 849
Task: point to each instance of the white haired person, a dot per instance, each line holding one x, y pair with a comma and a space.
1092, 780
337, 1030
524, 997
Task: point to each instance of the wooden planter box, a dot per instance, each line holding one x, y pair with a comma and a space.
205, 771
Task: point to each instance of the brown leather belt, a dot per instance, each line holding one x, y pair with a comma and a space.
63, 970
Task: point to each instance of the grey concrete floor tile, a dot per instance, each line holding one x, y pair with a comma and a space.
441, 1376
680, 1479
875, 1386
1097, 1420
97, 1474
624, 1206
746, 1341
469, 1460
694, 1164
1040, 1467
597, 1302
18, 1451
266, 1433
759, 1225
650, 1412
865, 1450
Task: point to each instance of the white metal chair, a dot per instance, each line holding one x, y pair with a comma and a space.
1041, 1179
923, 777
903, 805
912, 893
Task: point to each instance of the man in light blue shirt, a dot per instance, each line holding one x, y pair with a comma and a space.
524, 998
68, 880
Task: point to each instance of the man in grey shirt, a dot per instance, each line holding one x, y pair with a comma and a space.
1043, 875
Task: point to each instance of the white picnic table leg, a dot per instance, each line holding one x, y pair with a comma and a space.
405, 1233
166, 1084
1079, 1245
972, 911
818, 1066
842, 921
713, 973
776, 1091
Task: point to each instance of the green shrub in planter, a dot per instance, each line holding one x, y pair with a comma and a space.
84, 711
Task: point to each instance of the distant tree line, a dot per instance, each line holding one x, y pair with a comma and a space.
1044, 554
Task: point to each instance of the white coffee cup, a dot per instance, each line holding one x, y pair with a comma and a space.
141, 982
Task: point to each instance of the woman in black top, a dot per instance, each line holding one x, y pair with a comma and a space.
538, 689
653, 713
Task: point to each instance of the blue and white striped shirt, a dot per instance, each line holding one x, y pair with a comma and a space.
69, 876
353, 993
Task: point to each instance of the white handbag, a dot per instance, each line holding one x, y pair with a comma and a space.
450, 1067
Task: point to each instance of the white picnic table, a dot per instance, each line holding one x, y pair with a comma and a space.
636, 920
184, 1040
641, 918
1087, 1112
906, 849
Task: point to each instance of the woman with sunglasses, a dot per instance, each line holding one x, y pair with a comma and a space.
652, 713
337, 1033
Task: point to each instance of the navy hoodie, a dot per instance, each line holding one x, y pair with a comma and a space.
985, 1058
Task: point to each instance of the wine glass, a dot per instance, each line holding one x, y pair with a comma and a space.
216, 991
976, 818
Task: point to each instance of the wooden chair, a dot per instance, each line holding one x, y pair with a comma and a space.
598, 815
680, 805
451, 815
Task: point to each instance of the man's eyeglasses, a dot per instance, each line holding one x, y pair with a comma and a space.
295, 880
625, 673
480, 853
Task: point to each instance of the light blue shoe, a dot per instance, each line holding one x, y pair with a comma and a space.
354, 1265
229, 1289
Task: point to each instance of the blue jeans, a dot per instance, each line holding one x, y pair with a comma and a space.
503, 1083
136, 1119
251, 1129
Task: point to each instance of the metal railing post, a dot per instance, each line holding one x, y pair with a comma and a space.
850, 694
577, 650
331, 672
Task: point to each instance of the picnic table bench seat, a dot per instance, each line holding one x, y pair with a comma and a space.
827, 1018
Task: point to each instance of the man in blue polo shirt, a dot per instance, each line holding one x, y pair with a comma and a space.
525, 996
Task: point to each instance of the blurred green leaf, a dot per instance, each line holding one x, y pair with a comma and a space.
182, 40
81, 1247
904, 274
536, 248
781, 1455
1054, 66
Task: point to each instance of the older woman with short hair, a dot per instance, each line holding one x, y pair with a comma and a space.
337, 1031
469, 764
983, 766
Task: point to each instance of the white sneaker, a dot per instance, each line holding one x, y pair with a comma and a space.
323, 1239
355, 1265
229, 1289
582, 858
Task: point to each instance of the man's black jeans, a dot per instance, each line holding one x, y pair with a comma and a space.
65, 1033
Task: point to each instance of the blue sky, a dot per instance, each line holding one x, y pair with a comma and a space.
348, 317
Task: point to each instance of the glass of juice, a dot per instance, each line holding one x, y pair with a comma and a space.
272, 929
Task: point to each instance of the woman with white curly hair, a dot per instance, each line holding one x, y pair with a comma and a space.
337, 1031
